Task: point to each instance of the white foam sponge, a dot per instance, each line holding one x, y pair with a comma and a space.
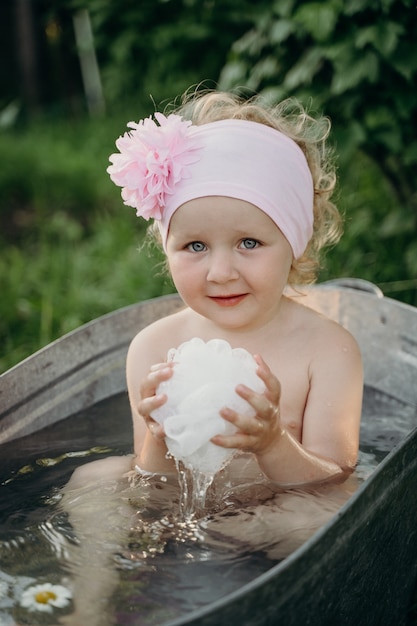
204, 380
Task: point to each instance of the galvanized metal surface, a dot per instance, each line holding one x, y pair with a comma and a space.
74, 372
361, 567
358, 570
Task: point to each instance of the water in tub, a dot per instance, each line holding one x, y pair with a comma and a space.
144, 551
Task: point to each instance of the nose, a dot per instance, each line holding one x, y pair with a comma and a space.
222, 267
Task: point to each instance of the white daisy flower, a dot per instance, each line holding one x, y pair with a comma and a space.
45, 597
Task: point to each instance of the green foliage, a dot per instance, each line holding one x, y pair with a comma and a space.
159, 48
51, 167
70, 248
368, 249
355, 61
65, 279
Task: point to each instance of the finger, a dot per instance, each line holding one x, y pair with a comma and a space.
157, 430
147, 405
239, 441
160, 366
153, 426
245, 424
272, 383
151, 382
265, 409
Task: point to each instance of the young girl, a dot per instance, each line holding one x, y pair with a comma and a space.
240, 195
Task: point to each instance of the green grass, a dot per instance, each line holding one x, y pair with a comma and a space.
64, 280
69, 247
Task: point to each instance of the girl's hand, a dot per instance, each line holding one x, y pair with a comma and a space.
150, 400
255, 434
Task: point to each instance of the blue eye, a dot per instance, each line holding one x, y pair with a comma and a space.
196, 246
249, 244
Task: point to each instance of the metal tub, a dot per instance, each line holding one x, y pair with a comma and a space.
361, 567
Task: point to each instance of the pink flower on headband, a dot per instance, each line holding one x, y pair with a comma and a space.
153, 159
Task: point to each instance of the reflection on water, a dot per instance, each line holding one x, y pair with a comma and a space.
153, 562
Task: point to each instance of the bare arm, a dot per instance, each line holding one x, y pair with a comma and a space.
327, 450
145, 370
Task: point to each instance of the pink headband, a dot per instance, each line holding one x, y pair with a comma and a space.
161, 167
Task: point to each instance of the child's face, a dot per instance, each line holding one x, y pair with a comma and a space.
229, 261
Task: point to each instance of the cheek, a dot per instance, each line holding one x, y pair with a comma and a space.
283, 262
183, 274
274, 275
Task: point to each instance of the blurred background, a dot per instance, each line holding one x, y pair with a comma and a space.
74, 72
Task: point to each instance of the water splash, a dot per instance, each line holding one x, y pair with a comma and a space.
194, 485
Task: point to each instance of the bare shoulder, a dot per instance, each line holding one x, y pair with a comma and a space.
332, 413
325, 339
153, 342
150, 347
322, 325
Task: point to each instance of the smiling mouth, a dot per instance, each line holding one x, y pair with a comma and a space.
231, 300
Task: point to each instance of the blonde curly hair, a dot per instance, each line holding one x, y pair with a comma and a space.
309, 133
